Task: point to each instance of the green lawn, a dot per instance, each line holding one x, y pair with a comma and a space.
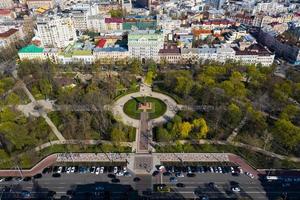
131, 107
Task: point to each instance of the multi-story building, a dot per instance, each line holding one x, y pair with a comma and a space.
170, 54
281, 46
32, 52
56, 31
145, 44
6, 4
10, 36
80, 19
40, 3
110, 54
254, 54
113, 24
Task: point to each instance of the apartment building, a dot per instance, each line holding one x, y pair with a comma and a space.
145, 44
6, 4
56, 31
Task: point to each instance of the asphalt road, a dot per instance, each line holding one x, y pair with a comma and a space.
84, 184
251, 188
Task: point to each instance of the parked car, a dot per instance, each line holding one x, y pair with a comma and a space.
179, 174
235, 189
59, 170
115, 170
173, 179
101, 170
127, 174
69, 170
249, 174
72, 169
97, 171
120, 173
180, 185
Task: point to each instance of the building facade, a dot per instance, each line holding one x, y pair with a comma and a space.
56, 31
145, 45
40, 3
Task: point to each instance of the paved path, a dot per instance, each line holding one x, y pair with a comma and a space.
41, 111
145, 90
237, 129
84, 142
237, 144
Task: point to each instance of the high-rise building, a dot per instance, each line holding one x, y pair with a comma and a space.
145, 44
56, 31
6, 3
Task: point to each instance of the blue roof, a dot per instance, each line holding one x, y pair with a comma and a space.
110, 49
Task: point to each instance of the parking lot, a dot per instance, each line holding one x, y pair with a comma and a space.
201, 181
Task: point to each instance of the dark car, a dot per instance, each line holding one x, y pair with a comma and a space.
115, 180
37, 176
190, 175
56, 175
180, 185
136, 179
111, 176
27, 179
46, 170
155, 173
8, 178
167, 174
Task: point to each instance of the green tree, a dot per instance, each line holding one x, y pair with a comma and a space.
163, 135
288, 133
135, 66
117, 135
185, 128
200, 128
234, 114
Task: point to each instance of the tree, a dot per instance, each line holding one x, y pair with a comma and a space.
185, 128
200, 128
117, 135
135, 66
163, 135
234, 114
287, 133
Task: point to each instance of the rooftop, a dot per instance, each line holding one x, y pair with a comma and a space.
31, 49
8, 33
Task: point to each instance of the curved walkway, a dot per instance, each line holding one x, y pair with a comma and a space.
118, 112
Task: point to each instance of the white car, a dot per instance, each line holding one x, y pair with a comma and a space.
240, 170
211, 169
232, 169
220, 169
93, 169
59, 170
235, 189
120, 173
249, 174
97, 170
115, 170
68, 170
73, 169
101, 170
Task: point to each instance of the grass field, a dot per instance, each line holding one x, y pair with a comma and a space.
131, 107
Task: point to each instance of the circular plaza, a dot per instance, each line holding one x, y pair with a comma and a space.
161, 108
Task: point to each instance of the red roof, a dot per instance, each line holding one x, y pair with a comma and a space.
8, 33
101, 43
4, 11
114, 20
